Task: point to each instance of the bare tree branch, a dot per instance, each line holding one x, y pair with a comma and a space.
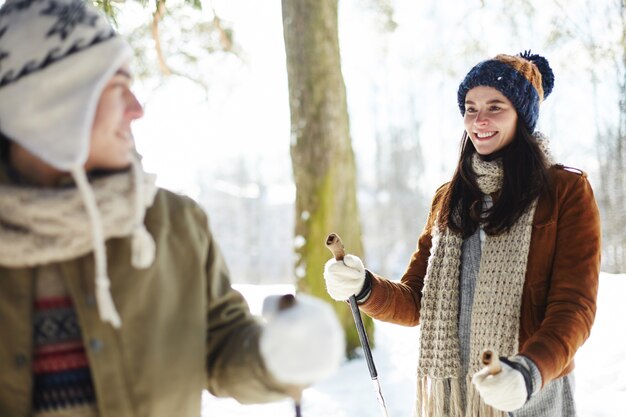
157, 16
156, 19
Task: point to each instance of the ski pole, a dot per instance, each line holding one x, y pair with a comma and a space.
334, 244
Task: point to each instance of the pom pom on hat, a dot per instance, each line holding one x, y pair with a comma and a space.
547, 76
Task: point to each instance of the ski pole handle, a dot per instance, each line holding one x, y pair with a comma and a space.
491, 361
335, 245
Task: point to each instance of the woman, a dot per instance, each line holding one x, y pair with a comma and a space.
508, 260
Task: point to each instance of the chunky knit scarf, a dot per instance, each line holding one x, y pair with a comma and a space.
495, 310
42, 225
39, 225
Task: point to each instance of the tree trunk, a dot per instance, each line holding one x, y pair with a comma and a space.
321, 151
612, 194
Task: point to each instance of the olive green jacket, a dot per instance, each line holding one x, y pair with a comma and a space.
183, 327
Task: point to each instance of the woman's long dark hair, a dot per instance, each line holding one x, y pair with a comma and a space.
526, 176
4, 148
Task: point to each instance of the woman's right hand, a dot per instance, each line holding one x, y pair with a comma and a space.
344, 278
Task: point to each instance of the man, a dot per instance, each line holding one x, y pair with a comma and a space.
114, 297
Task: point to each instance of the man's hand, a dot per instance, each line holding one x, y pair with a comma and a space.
302, 341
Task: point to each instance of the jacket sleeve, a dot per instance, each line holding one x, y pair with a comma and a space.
234, 363
399, 302
571, 298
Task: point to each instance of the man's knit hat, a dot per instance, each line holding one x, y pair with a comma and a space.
525, 79
56, 56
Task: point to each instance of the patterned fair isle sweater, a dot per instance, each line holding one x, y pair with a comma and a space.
61, 376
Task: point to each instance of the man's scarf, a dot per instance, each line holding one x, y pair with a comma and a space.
43, 225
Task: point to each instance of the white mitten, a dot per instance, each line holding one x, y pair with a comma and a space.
302, 341
344, 278
507, 390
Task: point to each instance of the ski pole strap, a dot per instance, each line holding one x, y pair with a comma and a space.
366, 290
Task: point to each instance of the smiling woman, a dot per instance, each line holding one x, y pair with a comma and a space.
506, 262
490, 119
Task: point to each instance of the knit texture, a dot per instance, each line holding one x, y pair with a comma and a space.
525, 79
56, 56
42, 225
495, 312
470, 265
62, 380
555, 399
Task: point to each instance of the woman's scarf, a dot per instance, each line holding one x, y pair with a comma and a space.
495, 310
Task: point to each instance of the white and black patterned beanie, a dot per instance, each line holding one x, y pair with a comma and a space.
56, 56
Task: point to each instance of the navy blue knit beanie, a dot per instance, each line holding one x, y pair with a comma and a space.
525, 79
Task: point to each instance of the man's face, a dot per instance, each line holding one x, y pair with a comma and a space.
111, 139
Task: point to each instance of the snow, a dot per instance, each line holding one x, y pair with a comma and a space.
600, 368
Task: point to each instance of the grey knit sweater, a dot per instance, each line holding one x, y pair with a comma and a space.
556, 399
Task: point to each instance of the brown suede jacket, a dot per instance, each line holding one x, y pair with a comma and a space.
559, 295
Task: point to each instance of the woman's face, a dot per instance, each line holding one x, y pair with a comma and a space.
490, 119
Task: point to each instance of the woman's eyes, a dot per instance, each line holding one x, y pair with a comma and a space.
490, 108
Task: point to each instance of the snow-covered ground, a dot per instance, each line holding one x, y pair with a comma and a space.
600, 371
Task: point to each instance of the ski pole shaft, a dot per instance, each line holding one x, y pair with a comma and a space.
334, 244
360, 328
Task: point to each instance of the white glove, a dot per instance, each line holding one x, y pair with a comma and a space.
301, 343
505, 391
344, 278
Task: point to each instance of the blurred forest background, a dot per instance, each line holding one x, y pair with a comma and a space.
288, 120
402, 62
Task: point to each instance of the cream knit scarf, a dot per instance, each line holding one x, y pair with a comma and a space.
495, 310
42, 225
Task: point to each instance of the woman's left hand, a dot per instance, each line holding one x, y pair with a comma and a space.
508, 390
